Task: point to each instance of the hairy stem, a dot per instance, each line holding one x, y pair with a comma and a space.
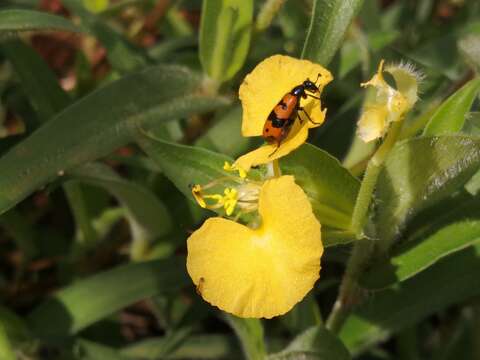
350, 292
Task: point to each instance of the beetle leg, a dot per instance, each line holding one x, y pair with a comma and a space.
278, 145
298, 115
313, 96
308, 116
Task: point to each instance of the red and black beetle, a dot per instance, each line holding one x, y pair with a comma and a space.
283, 115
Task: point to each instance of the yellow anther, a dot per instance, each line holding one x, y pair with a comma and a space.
242, 173
230, 193
197, 195
230, 200
229, 167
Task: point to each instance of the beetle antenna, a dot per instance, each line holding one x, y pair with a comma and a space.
318, 76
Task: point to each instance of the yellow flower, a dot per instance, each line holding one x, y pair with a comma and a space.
263, 88
387, 103
260, 272
239, 192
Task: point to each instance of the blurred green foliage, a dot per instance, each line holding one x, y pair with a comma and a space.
110, 110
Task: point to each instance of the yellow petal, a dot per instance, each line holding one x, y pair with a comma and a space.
297, 136
371, 125
388, 104
262, 272
269, 152
265, 86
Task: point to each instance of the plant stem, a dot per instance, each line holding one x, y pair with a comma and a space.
350, 291
364, 196
276, 169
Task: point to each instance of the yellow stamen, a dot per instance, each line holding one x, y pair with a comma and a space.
229, 167
197, 195
230, 200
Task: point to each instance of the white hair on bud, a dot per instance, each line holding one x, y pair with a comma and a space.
409, 68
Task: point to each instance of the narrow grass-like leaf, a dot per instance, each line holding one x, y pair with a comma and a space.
316, 343
417, 174
98, 124
209, 346
48, 98
15, 20
452, 280
185, 165
122, 55
250, 334
87, 301
451, 114
142, 205
90, 350
225, 31
329, 22
332, 190
39, 82
410, 259
159, 348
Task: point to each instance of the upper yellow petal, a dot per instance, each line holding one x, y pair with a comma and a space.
262, 272
297, 136
265, 86
269, 152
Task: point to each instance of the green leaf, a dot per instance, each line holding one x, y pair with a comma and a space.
452, 280
90, 350
6, 348
451, 114
210, 346
38, 80
96, 125
89, 300
225, 135
418, 173
304, 315
19, 228
225, 31
15, 328
250, 334
329, 22
332, 190
28, 20
159, 348
48, 98
410, 259
185, 165
316, 343
148, 216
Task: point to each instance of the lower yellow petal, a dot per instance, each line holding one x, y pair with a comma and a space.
262, 272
